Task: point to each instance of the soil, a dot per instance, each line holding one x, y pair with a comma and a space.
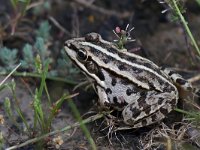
159, 39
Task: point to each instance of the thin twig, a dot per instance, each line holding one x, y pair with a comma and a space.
77, 124
103, 10
57, 24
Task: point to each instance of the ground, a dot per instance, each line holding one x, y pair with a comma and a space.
158, 38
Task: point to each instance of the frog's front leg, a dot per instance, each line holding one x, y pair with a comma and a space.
151, 108
178, 79
103, 98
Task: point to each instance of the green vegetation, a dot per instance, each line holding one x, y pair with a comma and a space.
177, 9
20, 5
9, 58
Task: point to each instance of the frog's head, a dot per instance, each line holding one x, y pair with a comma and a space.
78, 49
89, 53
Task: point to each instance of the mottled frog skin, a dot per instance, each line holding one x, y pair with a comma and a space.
143, 92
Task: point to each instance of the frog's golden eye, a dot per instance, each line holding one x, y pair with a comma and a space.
82, 55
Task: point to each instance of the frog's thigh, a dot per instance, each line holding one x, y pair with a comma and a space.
178, 79
103, 98
148, 110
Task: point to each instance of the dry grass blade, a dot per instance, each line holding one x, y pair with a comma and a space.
57, 24
2, 82
77, 124
194, 79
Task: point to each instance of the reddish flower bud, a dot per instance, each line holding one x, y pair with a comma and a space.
117, 30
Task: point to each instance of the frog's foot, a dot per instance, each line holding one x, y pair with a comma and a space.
196, 92
178, 79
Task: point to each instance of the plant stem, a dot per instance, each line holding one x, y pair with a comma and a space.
77, 124
198, 1
186, 26
185, 112
82, 125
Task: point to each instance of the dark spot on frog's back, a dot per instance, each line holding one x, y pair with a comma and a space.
112, 50
107, 59
136, 70
144, 122
143, 94
148, 65
173, 102
126, 57
115, 99
142, 104
108, 47
164, 111
101, 75
168, 88
129, 92
109, 91
136, 112
94, 51
154, 118
160, 100
122, 67
113, 82
147, 110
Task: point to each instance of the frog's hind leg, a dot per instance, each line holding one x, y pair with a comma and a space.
181, 83
178, 79
196, 92
148, 109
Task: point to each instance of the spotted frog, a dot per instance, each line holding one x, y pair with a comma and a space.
135, 86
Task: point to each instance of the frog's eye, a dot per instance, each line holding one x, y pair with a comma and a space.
92, 37
82, 55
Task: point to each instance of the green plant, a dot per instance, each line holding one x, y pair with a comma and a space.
45, 6
20, 5
1, 140
198, 2
191, 115
42, 121
8, 58
65, 66
28, 59
44, 30
82, 124
62, 67
177, 9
